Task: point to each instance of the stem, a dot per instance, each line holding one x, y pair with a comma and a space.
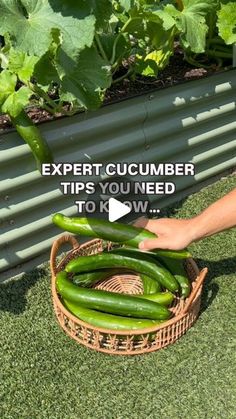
123, 29
196, 63
100, 47
220, 54
43, 95
47, 108
222, 48
119, 79
216, 41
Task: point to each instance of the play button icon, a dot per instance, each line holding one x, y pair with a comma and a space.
117, 210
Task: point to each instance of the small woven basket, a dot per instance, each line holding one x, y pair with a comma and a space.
124, 342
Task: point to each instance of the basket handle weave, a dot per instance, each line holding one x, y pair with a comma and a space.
67, 238
198, 285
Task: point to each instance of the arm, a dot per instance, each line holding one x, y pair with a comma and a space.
177, 234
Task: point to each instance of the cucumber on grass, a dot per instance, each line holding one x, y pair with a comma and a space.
109, 302
108, 321
108, 260
115, 232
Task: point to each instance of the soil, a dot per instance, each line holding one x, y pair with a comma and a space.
178, 71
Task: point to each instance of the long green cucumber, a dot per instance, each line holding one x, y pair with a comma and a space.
138, 255
172, 254
91, 278
177, 269
110, 302
150, 286
115, 232
174, 266
33, 137
109, 260
108, 321
164, 298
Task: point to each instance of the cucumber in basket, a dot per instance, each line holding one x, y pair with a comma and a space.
108, 260
150, 286
174, 266
177, 269
91, 278
109, 302
108, 321
163, 298
115, 232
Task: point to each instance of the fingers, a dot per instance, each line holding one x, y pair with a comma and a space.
150, 244
141, 222
150, 225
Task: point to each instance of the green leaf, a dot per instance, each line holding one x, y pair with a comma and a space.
48, 61
102, 10
167, 21
227, 23
30, 23
85, 81
146, 67
200, 7
7, 85
191, 22
161, 57
22, 64
126, 4
17, 101
79, 9
123, 47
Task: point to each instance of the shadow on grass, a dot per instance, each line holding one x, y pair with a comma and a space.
13, 293
215, 270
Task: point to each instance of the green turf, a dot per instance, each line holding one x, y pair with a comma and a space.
46, 375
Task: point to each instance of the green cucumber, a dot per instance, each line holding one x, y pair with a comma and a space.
138, 255
109, 302
108, 321
109, 260
164, 298
177, 269
115, 232
33, 137
150, 286
174, 266
91, 278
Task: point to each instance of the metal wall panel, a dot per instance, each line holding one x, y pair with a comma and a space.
193, 122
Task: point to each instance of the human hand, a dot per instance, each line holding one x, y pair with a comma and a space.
171, 233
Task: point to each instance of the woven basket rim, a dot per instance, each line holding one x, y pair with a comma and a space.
77, 248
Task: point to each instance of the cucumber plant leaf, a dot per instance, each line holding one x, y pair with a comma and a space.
12, 101
17, 101
31, 22
227, 22
85, 79
191, 22
7, 85
22, 64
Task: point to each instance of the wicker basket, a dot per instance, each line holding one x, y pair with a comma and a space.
122, 342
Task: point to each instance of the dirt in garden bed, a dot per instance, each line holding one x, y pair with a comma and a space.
178, 71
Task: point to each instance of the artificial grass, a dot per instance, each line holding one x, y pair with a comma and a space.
46, 375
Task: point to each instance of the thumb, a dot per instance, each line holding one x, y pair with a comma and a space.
153, 244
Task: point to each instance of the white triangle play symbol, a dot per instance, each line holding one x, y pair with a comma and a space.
117, 210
